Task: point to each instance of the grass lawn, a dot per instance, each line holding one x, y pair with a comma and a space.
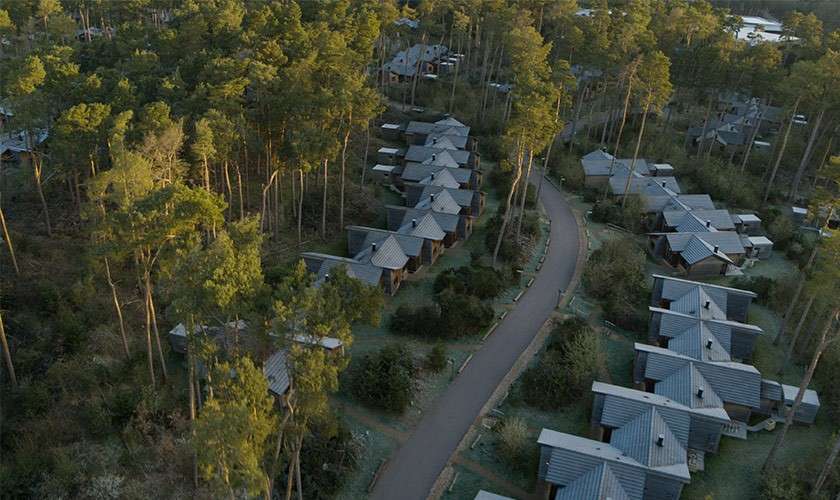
374, 444
466, 486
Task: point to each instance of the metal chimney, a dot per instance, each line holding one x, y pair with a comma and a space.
413, 222
373, 247
700, 392
660, 440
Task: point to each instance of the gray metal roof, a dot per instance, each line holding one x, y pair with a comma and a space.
674, 288
415, 172
387, 255
572, 456
699, 342
701, 302
683, 386
364, 272
447, 222
662, 202
440, 127
693, 223
600, 483
441, 202
441, 178
639, 439
463, 197
734, 382
276, 371
486, 495
622, 404
411, 245
651, 186
809, 398
426, 227
446, 141
423, 154
728, 242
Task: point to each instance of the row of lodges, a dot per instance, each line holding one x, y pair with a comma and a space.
692, 388
738, 120
440, 183
423, 60
687, 231
236, 336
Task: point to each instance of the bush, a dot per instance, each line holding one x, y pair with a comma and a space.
483, 282
329, 455
567, 368
784, 484
384, 379
510, 250
611, 211
781, 231
436, 359
463, 314
513, 441
760, 285
616, 269
418, 321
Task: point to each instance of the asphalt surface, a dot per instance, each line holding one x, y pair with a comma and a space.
413, 469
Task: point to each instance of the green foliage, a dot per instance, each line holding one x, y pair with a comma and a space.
454, 315
384, 379
436, 358
232, 430
784, 484
615, 276
565, 371
513, 441
484, 282
629, 216
329, 457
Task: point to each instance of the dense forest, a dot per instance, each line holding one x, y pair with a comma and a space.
175, 156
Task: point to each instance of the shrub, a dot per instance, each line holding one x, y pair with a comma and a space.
784, 484
566, 370
617, 268
463, 314
329, 455
436, 359
483, 282
418, 321
781, 230
384, 379
513, 441
760, 285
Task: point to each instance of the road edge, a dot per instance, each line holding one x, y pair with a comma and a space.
525, 356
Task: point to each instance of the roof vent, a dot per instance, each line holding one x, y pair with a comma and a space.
707, 304
708, 223
434, 140
373, 247
664, 184
434, 157
433, 176
327, 277
432, 197
700, 392
660, 440
413, 222
709, 344
717, 248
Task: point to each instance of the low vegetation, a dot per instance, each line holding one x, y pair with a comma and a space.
384, 379
615, 276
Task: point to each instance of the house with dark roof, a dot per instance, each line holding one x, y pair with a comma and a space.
382, 263
438, 154
697, 428
680, 220
470, 201
429, 222
644, 459
684, 379
732, 302
420, 133
360, 238
419, 59
430, 174
699, 252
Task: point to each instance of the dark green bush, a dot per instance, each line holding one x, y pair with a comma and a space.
463, 314
761, 285
329, 455
384, 379
436, 359
784, 484
483, 282
418, 321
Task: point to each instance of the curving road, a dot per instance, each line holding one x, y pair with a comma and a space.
414, 467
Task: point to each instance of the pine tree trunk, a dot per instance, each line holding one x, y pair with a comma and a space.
524, 196
37, 170
806, 157
454, 83
781, 152
799, 287
343, 169
635, 155
826, 469
824, 159
7, 355
823, 343
241, 194
297, 467
324, 204
8, 238
573, 130
149, 354
367, 147
192, 393
300, 206
118, 308
792, 345
705, 125
506, 215
151, 305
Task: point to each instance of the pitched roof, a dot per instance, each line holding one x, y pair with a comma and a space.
437, 155
663, 202
416, 172
410, 245
651, 186
699, 342
719, 219
701, 245
426, 227
276, 371
463, 197
648, 439
599, 483
700, 302
440, 202
448, 128
674, 288
443, 178
445, 141
683, 386
734, 382
622, 404
387, 255
450, 121
364, 272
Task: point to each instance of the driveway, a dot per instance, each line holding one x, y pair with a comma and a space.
414, 467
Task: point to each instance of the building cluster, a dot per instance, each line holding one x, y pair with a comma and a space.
438, 175
16, 145
692, 387
686, 230
738, 121
420, 60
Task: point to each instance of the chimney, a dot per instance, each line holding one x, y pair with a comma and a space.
326, 277
708, 223
707, 304
700, 392
664, 184
709, 344
716, 248
433, 176
432, 197
660, 440
373, 247
434, 157
413, 222
434, 140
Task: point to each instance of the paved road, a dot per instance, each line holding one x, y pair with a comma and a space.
413, 469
